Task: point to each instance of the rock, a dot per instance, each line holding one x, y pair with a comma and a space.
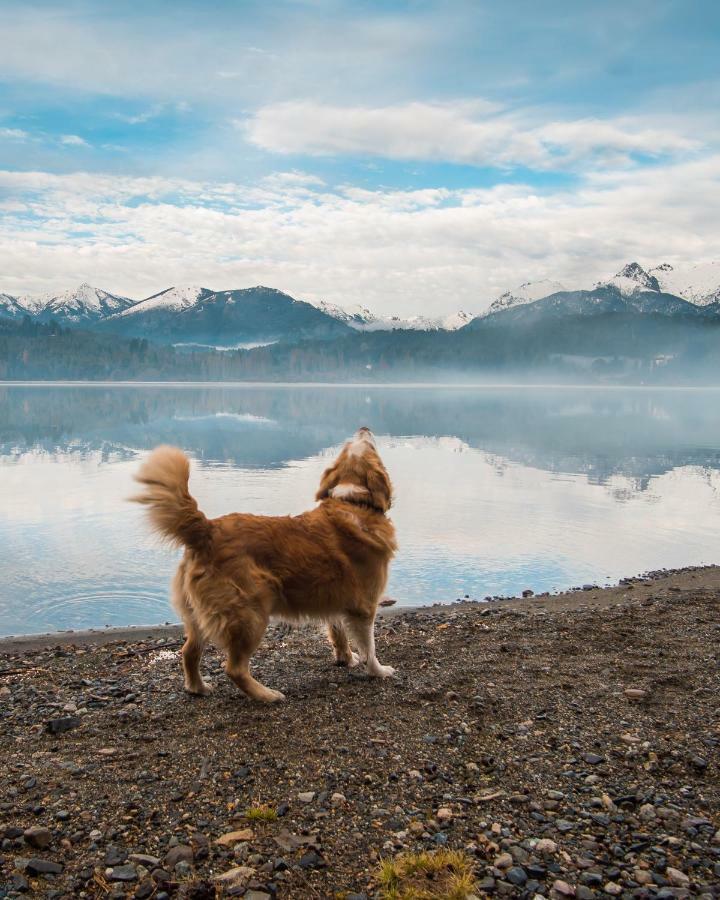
613, 889
20, 884
123, 873
59, 726
261, 895
144, 890
647, 812
114, 856
563, 888
642, 876
37, 866
444, 814
545, 845
504, 861
238, 876
593, 759
232, 837
306, 796
176, 854
635, 693
528, 593
38, 837
338, 799
144, 859
311, 860
676, 877
516, 876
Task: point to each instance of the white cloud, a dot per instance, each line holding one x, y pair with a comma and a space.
472, 132
73, 140
13, 134
428, 251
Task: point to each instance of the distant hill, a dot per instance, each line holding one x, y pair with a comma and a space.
202, 316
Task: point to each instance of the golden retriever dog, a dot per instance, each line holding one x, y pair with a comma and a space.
238, 571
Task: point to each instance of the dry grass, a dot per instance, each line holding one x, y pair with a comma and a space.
438, 875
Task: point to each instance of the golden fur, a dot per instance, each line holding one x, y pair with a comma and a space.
239, 570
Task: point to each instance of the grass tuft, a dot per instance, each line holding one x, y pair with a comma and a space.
261, 812
436, 875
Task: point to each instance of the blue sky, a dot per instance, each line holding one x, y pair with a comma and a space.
414, 156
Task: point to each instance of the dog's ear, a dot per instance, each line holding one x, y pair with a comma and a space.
330, 479
380, 489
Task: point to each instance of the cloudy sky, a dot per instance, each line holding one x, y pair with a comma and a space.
411, 156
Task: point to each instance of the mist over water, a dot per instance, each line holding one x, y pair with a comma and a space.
497, 489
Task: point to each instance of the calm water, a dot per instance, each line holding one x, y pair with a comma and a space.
497, 489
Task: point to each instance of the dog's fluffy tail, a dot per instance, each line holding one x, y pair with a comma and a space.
173, 511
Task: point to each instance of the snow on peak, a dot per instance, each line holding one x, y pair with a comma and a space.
173, 299
700, 284
528, 292
82, 302
362, 319
632, 279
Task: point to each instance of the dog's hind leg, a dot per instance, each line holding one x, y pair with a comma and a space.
242, 640
194, 641
362, 631
338, 638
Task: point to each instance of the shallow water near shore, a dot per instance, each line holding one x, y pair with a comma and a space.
497, 489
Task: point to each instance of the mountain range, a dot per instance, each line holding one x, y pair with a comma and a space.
199, 315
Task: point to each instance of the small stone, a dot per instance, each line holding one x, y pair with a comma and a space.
238, 876
444, 814
545, 845
311, 860
612, 888
635, 693
504, 861
38, 837
593, 759
123, 873
647, 812
676, 877
256, 895
60, 726
642, 876
176, 854
306, 796
233, 837
563, 888
516, 876
338, 799
144, 859
37, 866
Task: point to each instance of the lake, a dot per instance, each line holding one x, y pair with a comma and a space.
498, 489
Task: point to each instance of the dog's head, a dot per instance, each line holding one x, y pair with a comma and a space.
358, 475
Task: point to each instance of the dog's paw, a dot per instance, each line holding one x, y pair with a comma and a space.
379, 671
349, 662
270, 696
201, 689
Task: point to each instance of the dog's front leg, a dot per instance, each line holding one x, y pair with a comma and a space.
362, 631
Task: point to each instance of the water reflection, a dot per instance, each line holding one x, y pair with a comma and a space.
496, 489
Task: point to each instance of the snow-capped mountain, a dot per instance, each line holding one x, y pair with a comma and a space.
360, 318
631, 279
10, 308
83, 304
528, 292
700, 284
173, 299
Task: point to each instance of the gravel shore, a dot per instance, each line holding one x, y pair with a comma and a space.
567, 744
